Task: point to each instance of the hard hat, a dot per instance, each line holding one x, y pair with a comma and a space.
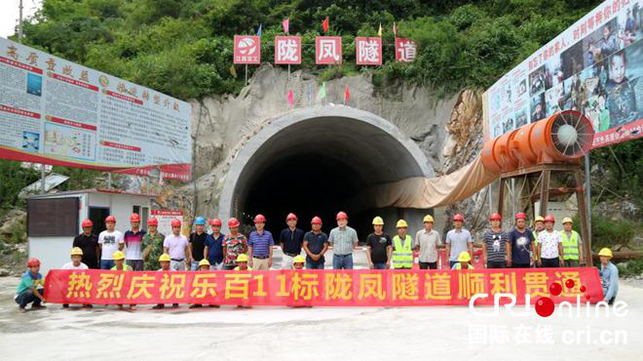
539, 219
87, 223
259, 218
165, 258
567, 220
242, 258
550, 218
458, 217
316, 220
605, 252
135, 217
33, 262
341, 215
299, 259
233, 223
204, 262
521, 215
76, 251
428, 218
378, 221
401, 224
175, 223
216, 222
199, 221
118, 255
464, 256
152, 222
291, 216
110, 219
495, 217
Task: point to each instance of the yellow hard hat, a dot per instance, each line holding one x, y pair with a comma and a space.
76, 251
299, 259
401, 224
165, 258
118, 255
378, 221
605, 252
242, 258
464, 257
567, 220
204, 262
539, 219
428, 218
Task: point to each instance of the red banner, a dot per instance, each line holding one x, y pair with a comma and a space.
321, 287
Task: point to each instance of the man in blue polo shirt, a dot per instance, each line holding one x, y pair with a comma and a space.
214, 246
291, 240
260, 245
315, 245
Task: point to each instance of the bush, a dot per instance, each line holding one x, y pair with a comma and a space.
630, 268
609, 233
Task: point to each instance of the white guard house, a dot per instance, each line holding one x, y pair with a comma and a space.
53, 220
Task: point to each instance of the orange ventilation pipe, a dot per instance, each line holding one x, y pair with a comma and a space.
563, 137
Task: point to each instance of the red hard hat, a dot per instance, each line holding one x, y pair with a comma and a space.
521, 215
135, 218
458, 217
216, 222
152, 222
495, 216
550, 218
259, 218
291, 216
341, 215
316, 220
110, 219
175, 223
233, 223
33, 262
87, 223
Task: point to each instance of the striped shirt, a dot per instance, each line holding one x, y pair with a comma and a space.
260, 243
343, 240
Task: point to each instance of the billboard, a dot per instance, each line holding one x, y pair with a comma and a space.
595, 67
57, 112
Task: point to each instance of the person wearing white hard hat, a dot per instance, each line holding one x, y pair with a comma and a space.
379, 246
572, 244
427, 241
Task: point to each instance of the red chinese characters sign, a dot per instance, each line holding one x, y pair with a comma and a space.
405, 50
247, 49
328, 50
368, 51
319, 287
287, 50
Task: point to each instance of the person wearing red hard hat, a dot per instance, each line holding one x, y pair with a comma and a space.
134, 243
30, 289
152, 245
110, 241
522, 243
260, 245
176, 245
550, 245
214, 245
291, 240
343, 238
234, 244
88, 243
496, 248
315, 245
458, 240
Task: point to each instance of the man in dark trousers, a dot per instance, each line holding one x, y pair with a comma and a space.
88, 242
291, 240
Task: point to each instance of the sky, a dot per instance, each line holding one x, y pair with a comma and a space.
9, 14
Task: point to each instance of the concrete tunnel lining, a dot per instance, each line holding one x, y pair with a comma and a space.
364, 146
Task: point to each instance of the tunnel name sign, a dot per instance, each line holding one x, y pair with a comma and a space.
595, 67
319, 287
57, 112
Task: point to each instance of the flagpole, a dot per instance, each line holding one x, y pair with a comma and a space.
246, 74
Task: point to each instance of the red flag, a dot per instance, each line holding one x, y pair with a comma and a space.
347, 95
286, 24
291, 98
325, 25
394, 29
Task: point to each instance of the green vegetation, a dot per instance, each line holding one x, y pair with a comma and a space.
13, 178
617, 235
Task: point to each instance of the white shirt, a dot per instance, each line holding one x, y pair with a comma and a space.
70, 265
549, 243
110, 242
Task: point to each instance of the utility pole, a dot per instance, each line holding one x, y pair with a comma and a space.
20, 7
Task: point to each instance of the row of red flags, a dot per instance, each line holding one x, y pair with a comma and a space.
286, 25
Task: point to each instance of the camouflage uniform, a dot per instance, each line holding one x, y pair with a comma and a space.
156, 240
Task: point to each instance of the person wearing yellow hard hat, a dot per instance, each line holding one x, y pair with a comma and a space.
242, 263
298, 262
119, 265
572, 245
76, 264
539, 226
379, 246
204, 266
463, 261
609, 276
427, 241
402, 247
164, 260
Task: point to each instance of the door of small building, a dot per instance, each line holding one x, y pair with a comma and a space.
97, 215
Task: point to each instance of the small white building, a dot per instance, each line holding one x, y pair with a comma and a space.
53, 220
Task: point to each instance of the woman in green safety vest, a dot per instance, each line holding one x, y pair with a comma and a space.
463, 261
402, 251
572, 245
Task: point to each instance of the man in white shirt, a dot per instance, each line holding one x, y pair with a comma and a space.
176, 245
76, 257
427, 241
110, 241
550, 245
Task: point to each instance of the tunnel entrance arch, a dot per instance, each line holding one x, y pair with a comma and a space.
311, 161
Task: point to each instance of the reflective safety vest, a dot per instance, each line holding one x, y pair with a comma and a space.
570, 246
402, 253
458, 266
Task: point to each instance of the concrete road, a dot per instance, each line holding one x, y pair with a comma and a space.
264, 333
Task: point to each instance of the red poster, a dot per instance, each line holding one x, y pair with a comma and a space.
322, 287
328, 50
247, 49
405, 50
287, 50
368, 51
